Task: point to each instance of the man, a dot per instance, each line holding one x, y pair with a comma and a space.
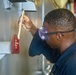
55, 40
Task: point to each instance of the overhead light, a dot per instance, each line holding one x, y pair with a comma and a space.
27, 6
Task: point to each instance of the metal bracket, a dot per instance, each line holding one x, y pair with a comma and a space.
4, 49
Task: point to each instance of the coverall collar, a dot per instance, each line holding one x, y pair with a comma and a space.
67, 53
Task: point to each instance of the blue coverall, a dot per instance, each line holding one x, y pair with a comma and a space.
64, 64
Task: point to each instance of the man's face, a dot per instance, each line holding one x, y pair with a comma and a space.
52, 38
55, 37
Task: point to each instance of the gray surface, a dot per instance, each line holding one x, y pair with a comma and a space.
19, 64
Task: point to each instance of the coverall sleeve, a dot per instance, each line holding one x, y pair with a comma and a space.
38, 47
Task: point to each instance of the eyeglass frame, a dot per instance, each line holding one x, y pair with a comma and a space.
51, 33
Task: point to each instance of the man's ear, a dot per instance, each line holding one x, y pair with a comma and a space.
59, 36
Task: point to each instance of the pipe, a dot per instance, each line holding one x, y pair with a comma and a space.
43, 58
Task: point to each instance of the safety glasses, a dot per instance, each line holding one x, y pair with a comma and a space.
43, 33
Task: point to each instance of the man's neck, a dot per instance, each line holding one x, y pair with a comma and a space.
66, 45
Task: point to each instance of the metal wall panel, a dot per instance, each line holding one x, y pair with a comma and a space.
19, 64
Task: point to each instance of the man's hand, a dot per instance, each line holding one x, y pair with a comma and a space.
28, 25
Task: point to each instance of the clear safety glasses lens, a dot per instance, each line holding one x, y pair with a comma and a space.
42, 33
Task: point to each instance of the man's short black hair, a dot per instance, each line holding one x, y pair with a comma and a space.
61, 18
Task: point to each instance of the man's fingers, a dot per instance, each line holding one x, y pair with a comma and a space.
26, 18
26, 22
26, 28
